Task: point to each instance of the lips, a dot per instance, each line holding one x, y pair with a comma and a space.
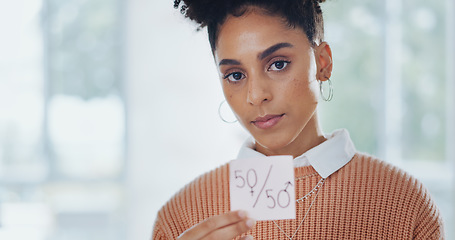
267, 121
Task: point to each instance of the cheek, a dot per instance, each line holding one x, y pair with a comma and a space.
235, 102
302, 90
229, 94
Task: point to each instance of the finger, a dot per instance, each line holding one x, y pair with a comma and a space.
211, 224
232, 230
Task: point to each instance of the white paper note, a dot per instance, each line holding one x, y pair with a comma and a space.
264, 187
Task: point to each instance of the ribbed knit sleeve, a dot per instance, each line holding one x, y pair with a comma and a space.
365, 199
428, 223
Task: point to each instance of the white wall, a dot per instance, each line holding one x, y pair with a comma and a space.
173, 94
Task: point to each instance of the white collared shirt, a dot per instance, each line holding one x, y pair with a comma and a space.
326, 158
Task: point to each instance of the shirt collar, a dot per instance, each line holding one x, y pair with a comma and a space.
326, 158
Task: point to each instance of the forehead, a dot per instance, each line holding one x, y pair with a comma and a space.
253, 32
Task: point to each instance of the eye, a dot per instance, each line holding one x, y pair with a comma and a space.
234, 77
278, 65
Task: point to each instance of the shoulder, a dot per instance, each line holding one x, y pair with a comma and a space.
202, 190
366, 165
379, 174
205, 196
203, 187
394, 189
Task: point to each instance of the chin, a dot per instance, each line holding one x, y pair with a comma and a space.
274, 144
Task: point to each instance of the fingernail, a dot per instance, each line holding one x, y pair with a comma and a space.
250, 222
242, 214
249, 237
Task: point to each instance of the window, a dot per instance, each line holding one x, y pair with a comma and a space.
395, 86
62, 120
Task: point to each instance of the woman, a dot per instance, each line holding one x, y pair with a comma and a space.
272, 61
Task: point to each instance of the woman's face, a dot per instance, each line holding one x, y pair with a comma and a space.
268, 73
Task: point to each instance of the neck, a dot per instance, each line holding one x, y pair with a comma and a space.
310, 136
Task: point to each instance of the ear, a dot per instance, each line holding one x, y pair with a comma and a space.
324, 64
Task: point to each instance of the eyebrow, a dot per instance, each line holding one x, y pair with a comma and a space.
229, 62
273, 49
261, 55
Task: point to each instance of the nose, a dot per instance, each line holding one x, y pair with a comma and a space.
258, 90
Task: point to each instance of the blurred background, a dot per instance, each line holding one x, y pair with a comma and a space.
109, 107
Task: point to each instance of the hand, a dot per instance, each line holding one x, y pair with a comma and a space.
222, 227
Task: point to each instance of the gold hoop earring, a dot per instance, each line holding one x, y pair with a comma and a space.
220, 115
327, 99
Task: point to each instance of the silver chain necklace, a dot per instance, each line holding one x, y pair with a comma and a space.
315, 189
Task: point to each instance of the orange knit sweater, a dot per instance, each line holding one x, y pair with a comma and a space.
365, 199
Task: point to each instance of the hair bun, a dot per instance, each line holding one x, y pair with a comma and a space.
204, 11
306, 14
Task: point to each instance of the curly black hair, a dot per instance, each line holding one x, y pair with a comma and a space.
306, 14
